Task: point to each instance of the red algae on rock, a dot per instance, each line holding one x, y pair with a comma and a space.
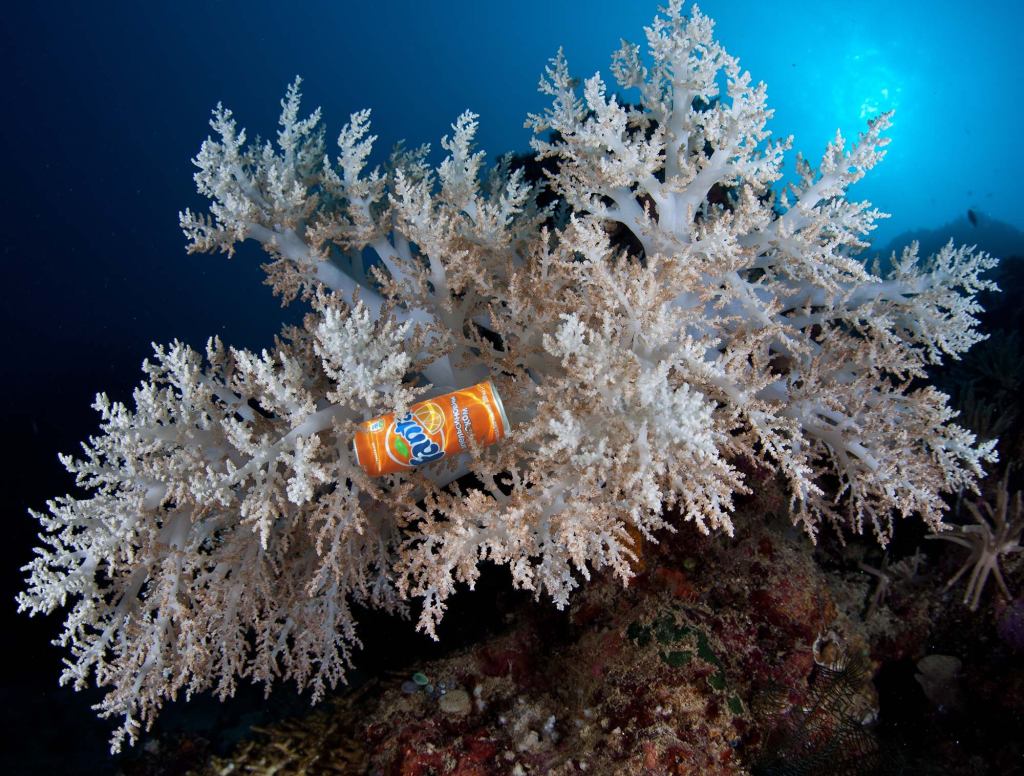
659, 678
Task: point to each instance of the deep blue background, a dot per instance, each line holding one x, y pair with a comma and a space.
105, 103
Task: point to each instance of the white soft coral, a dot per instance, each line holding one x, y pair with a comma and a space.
228, 527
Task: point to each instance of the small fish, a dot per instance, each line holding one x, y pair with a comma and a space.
972, 217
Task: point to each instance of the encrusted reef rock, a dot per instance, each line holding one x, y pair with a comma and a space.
694, 669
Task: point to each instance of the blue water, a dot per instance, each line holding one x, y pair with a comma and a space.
105, 103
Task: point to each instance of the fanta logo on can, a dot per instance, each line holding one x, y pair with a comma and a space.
430, 430
411, 444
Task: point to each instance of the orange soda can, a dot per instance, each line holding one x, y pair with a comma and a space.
431, 430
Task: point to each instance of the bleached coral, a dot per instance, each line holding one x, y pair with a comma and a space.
227, 526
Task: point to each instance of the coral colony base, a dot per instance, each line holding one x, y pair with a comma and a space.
227, 526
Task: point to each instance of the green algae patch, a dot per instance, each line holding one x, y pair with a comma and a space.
676, 658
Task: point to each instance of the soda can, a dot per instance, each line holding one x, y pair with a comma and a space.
431, 430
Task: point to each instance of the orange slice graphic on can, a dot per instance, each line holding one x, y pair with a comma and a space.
430, 417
